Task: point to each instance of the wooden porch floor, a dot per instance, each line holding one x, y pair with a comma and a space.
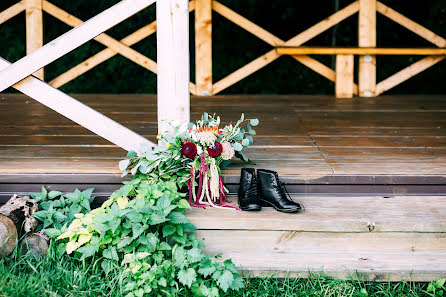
308, 136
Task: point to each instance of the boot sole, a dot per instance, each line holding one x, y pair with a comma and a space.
280, 209
251, 208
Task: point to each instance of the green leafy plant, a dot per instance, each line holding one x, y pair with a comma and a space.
437, 288
58, 210
142, 227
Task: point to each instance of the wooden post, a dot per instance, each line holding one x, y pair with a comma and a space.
34, 29
344, 76
367, 38
173, 62
203, 47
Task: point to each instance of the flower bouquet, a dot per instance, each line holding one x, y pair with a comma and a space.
193, 155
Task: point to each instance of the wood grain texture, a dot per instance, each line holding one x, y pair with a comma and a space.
359, 51
203, 47
367, 38
300, 135
12, 11
70, 41
344, 76
34, 29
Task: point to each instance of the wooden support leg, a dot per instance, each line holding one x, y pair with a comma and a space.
344, 76
34, 29
203, 47
173, 62
367, 38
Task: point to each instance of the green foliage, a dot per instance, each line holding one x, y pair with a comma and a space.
57, 210
437, 288
142, 227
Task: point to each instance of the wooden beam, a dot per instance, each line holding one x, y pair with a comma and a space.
360, 51
173, 99
246, 24
79, 112
407, 73
203, 47
34, 29
103, 38
11, 11
299, 39
70, 41
367, 38
108, 53
344, 76
410, 25
102, 56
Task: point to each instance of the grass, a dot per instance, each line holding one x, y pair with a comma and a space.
30, 276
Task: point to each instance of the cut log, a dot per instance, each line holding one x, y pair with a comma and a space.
20, 210
8, 236
15, 220
36, 244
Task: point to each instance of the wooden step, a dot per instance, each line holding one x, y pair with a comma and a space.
379, 239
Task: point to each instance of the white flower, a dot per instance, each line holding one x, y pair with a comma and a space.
206, 138
199, 150
228, 151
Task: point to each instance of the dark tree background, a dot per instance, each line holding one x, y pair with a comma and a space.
233, 47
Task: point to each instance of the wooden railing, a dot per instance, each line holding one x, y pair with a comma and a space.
34, 39
204, 85
342, 75
172, 55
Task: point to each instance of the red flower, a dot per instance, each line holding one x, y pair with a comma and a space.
189, 150
215, 151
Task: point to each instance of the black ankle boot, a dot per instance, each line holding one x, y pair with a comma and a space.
247, 192
273, 192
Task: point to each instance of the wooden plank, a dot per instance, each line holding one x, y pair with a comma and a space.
246, 24
407, 73
287, 242
69, 41
103, 38
12, 11
410, 25
412, 214
359, 51
203, 47
271, 39
397, 141
173, 60
34, 30
324, 25
79, 113
367, 38
108, 53
344, 76
374, 267
299, 39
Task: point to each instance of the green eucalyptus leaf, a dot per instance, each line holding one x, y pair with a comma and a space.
131, 154
237, 146
254, 122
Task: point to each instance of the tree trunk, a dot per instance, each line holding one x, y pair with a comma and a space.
8, 236
15, 220
36, 244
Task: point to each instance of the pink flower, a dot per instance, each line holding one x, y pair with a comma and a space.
215, 150
189, 150
228, 151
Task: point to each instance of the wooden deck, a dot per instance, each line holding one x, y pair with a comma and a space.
299, 135
371, 174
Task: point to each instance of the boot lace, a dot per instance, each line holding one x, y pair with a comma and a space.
252, 190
